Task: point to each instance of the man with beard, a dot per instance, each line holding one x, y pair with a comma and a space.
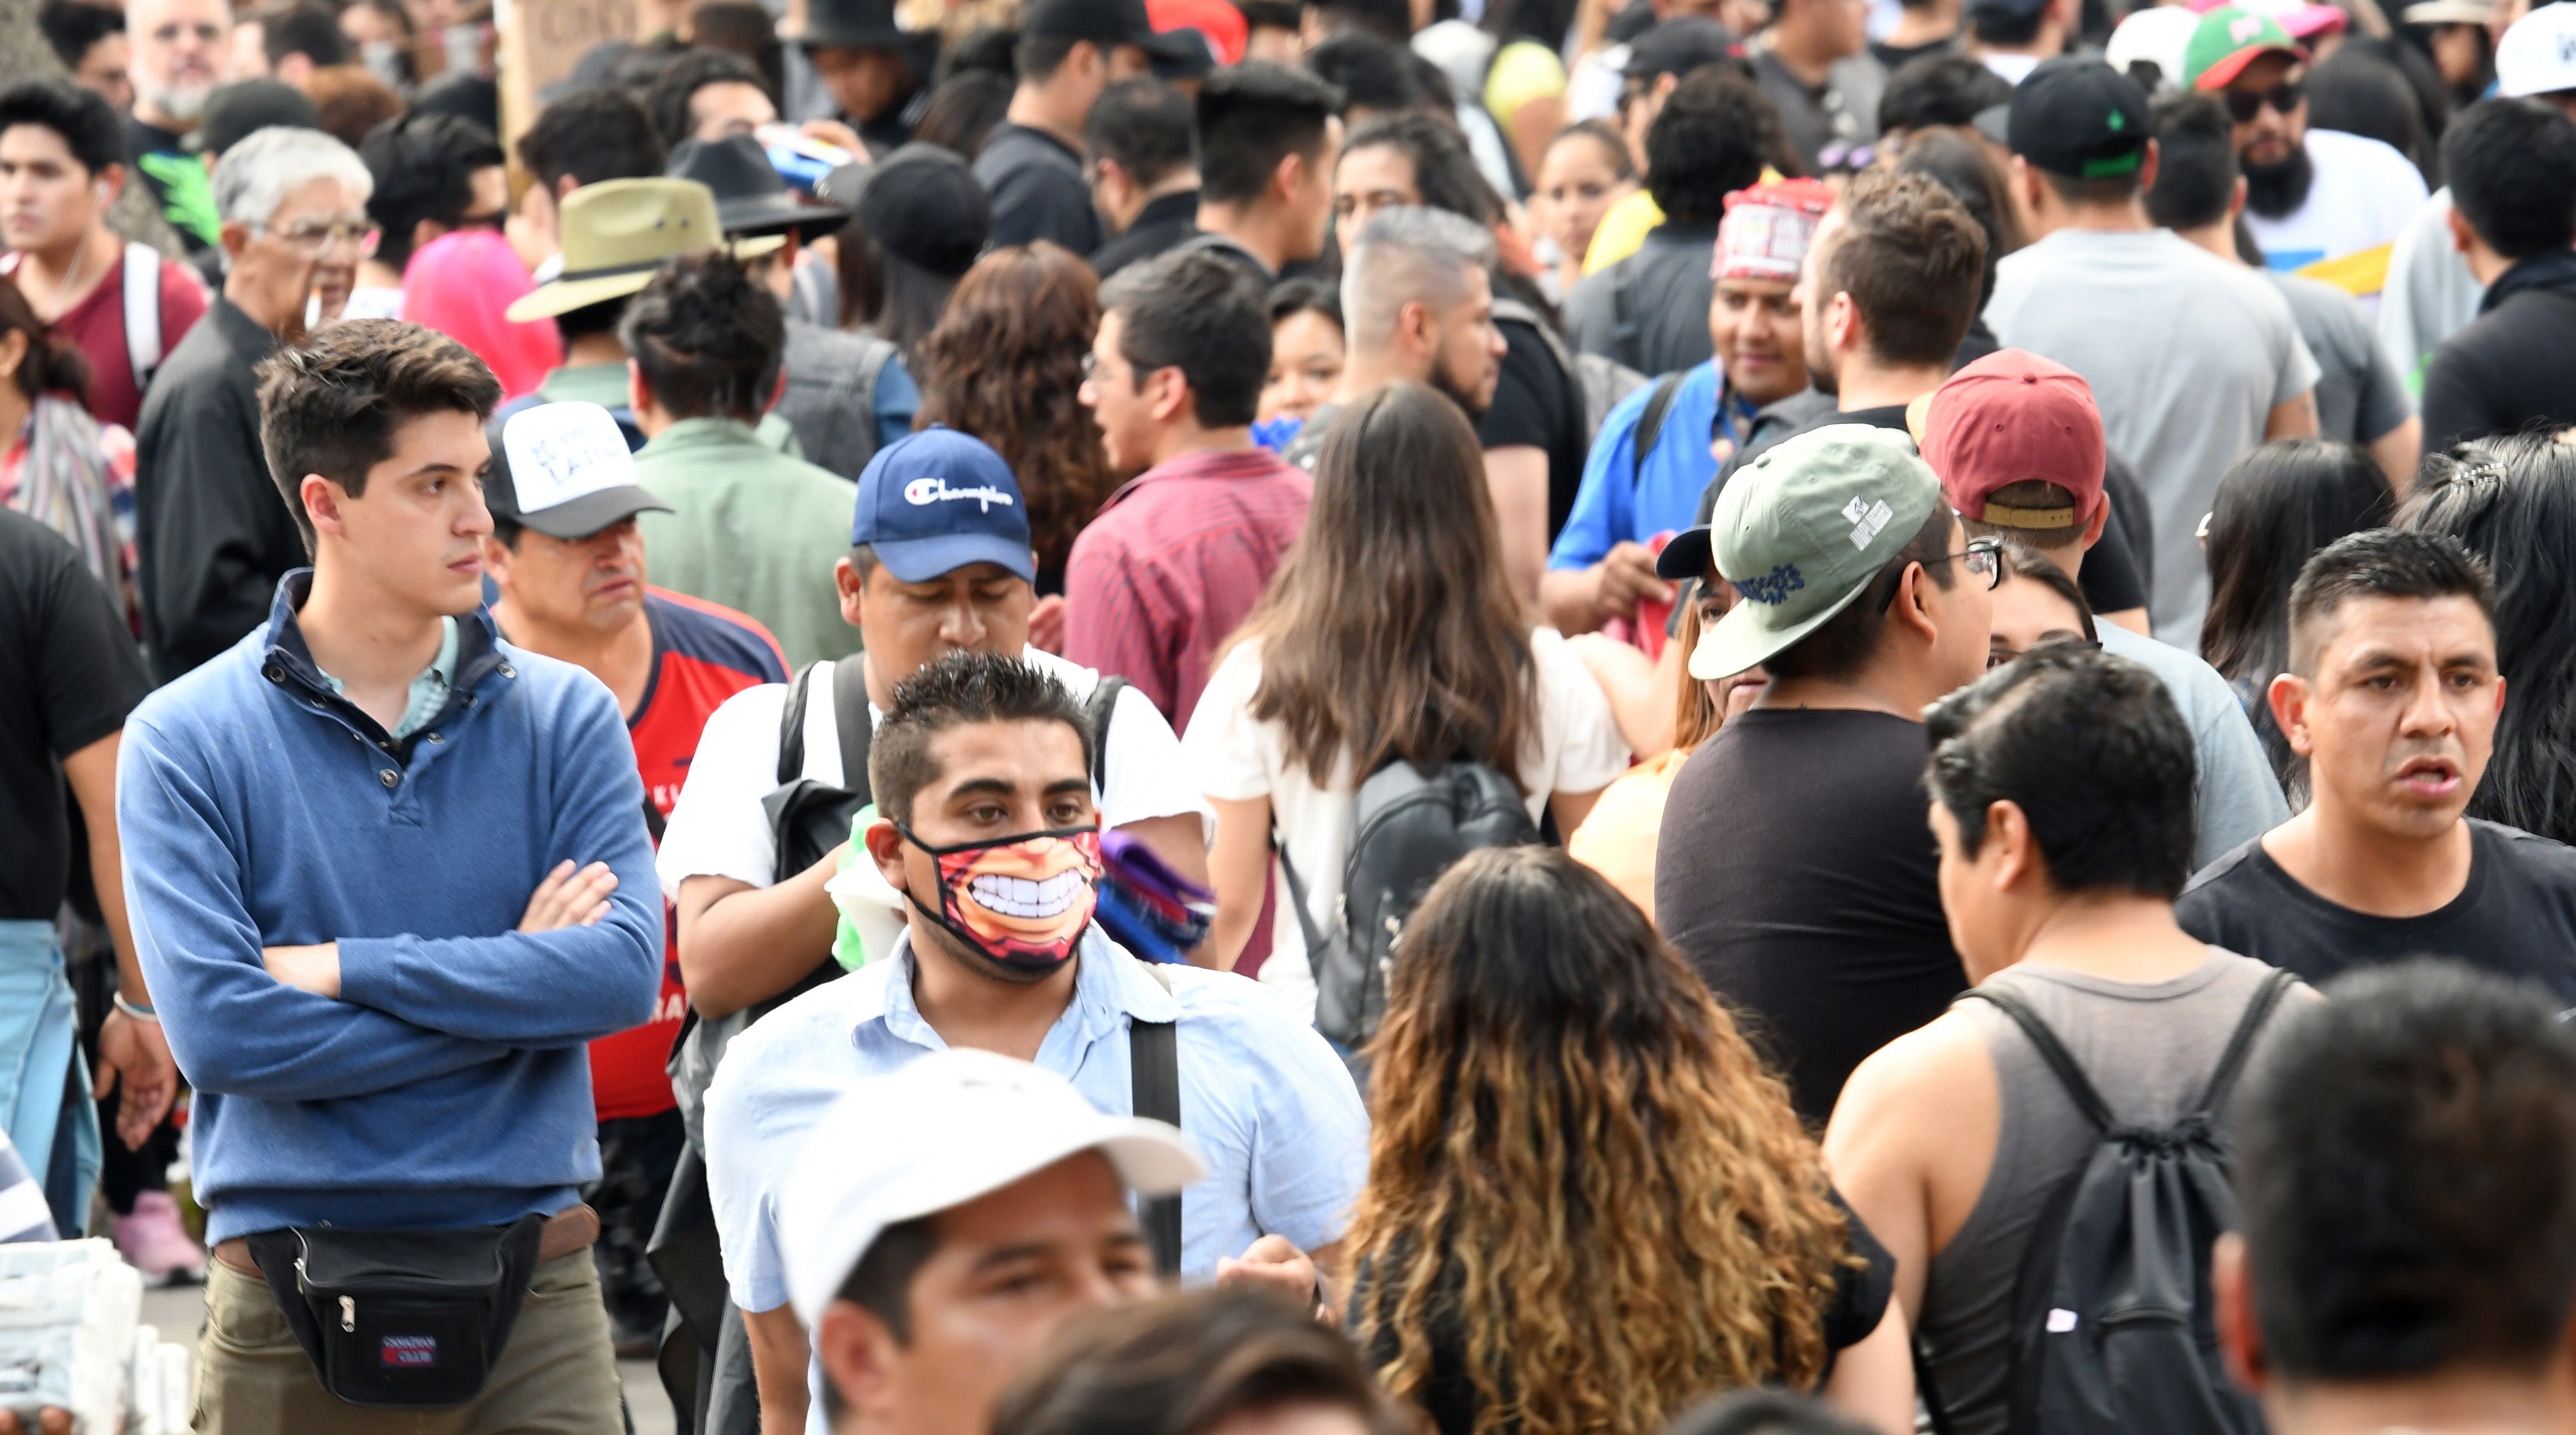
181, 51
2315, 199
1178, 555
1417, 304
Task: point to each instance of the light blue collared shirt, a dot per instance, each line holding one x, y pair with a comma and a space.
1263, 1098
427, 697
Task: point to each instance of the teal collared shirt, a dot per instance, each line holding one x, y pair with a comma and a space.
429, 691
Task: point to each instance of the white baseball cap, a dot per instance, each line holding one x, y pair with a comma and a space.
564, 470
2158, 33
938, 1133
2537, 55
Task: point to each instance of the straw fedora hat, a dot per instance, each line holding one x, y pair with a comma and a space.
618, 231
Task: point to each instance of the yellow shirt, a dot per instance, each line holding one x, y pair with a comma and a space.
1617, 838
1622, 229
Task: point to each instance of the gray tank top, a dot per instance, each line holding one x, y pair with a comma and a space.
2150, 1048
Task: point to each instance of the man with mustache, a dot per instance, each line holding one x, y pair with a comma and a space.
2392, 697
181, 52
986, 824
2313, 197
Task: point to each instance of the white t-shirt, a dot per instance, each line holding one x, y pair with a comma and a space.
2364, 194
1238, 757
717, 828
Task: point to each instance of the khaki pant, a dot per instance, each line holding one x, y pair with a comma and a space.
557, 1376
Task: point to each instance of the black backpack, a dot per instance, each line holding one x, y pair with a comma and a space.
1408, 824
2112, 1323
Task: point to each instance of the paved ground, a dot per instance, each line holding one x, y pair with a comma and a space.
179, 1311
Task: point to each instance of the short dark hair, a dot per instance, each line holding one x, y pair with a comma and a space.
1291, 297
1711, 138
1188, 1363
953, 691
1372, 73
334, 406
301, 27
1913, 259
881, 1285
2195, 163
82, 117
1390, 20
668, 100
74, 27
1444, 170
1995, 25
1848, 640
424, 165
1250, 117
1036, 58
2382, 563
707, 337
2093, 751
1934, 90
1202, 315
1144, 126
593, 134
2512, 168
2406, 1177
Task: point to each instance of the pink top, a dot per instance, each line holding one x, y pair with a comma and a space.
459, 283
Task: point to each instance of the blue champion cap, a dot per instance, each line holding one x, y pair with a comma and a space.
932, 502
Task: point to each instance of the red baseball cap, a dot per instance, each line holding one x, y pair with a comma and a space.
2010, 417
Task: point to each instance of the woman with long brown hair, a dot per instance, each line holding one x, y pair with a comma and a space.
1588, 1202
1389, 632
1005, 365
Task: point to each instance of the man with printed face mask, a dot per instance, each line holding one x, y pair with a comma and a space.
981, 772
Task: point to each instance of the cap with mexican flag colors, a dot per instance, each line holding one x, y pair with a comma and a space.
2078, 117
2227, 40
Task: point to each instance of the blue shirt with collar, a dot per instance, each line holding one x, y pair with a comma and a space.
1263, 1098
1620, 503
448, 1084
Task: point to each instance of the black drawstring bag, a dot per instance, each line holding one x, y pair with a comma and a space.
401, 1318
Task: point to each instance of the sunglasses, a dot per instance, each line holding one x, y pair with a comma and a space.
2244, 105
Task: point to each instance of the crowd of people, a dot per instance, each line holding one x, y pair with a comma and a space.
1265, 717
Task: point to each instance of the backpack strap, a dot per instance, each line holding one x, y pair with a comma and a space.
2267, 998
1650, 424
142, 312
850, 719
791, 727
1154, 1068
1096, 713
1297, 900
2054, 1052
1625, 326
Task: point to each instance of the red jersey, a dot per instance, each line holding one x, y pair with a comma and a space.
702, 655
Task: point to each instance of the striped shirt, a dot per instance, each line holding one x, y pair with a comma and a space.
1173, 563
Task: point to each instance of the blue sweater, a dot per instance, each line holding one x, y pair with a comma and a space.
448, 1085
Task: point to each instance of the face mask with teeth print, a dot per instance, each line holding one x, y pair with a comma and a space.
1022, 901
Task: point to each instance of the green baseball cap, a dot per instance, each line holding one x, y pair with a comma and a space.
2226, 41
1802, 530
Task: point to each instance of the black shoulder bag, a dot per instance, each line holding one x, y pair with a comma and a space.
1154, 1065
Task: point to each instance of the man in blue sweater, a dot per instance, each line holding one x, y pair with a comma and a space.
387, 877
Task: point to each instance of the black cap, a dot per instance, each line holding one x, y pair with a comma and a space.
854, 25
2010, 9
923, 206
1109, 22
2079, 118
236, 111
1685, 555
750, 196
1679, 46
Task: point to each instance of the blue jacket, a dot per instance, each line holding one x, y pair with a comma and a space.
448, 1085
1617, 503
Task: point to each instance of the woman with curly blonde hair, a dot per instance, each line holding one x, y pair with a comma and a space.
1588, 1203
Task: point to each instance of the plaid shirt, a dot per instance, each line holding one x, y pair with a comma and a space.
1173, 562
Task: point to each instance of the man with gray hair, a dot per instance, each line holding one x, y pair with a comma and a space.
181, 50
212, 534
1418, 304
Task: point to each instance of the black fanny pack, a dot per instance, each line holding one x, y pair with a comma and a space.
402, 1318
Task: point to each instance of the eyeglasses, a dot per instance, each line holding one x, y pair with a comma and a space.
1983, 557
2282, 98
317, 239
